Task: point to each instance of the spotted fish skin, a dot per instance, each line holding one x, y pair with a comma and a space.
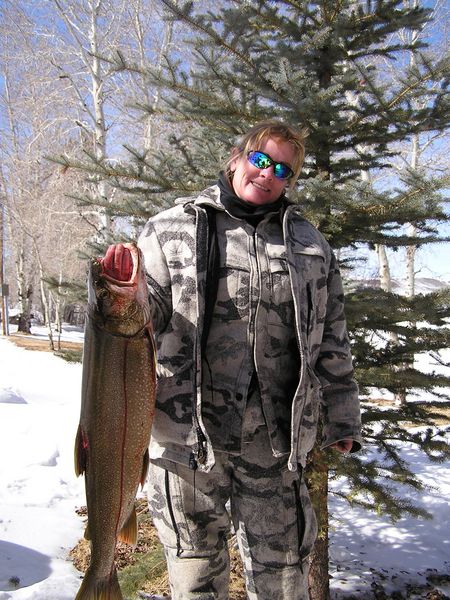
117, 407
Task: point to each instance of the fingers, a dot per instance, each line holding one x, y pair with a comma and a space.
343, 446
118, 263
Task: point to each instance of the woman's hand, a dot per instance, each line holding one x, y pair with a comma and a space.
118, 263
342, 446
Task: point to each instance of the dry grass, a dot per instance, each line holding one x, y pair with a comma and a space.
148, 543
441, 408
30, 342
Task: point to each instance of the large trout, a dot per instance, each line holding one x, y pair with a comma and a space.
117, 407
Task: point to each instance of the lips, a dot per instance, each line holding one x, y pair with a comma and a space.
260, 187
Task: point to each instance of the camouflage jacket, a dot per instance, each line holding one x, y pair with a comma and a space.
175, 248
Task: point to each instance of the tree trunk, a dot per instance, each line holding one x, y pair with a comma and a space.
317, 480
317, 469
383, 269
47, 307
24, 324
98, 83
94, 67
59, 308
25, 293
319, 586
3, 297
386, 285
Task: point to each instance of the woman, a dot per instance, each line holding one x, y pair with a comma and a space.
248, 312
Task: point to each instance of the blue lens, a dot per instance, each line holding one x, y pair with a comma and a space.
282, 171
261, 160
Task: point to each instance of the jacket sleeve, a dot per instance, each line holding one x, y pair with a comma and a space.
340, 402
158, 277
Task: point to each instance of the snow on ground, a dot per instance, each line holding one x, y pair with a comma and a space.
39, 411
367, 549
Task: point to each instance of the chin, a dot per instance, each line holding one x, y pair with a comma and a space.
253, 198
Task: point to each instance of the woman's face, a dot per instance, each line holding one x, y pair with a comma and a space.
260, 186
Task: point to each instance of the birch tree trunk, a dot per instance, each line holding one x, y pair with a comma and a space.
384, 269
4, 299
99, 113
58, 311
152, 96
24, 293
412, 229
45, 298
16, 234
86, 39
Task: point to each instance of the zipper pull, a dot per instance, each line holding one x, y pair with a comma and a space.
201, 452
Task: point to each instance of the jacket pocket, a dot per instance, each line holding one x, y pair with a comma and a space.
172, 422
310, 264
306, 520
281, 307
301, 522
310, 415
233, 297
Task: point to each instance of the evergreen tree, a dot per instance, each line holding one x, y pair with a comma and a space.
307, 62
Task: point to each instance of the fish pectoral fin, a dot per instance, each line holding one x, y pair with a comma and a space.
128, 533
93, 588
145, 465
80, 453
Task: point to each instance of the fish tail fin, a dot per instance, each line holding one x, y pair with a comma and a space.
93, 588
145, 466
128, 533
80, 452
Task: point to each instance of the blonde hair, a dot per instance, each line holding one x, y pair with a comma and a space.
272, 129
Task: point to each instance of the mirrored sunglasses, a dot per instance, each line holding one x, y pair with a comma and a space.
261, 160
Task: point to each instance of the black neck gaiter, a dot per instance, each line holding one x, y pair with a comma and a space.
252, 213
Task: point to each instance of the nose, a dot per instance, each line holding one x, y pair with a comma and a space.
268, 172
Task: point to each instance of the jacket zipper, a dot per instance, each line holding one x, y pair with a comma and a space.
293, 458
201, 453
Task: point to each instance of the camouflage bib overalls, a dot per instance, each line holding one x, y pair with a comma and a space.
229, 443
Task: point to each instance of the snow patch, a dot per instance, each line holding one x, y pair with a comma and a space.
39, 494
11, 396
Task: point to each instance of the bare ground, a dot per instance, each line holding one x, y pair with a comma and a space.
31, 342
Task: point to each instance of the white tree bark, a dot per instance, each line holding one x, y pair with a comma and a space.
34, 191
383, 268
83, 23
